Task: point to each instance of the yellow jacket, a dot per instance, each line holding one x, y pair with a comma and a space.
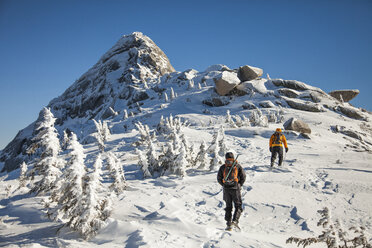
282, 140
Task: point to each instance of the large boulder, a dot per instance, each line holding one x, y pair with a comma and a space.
225, 82
344, 95
246, 73
297, 125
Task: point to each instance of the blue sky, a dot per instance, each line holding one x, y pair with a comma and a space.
46, 45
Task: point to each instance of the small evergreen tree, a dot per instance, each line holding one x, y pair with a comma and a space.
96, 210
172, 94
202, 156
23, 175
142, 162
180, 163
69, 196
48, 164
221, 143
116, 173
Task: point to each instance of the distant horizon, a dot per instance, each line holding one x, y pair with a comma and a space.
47, 45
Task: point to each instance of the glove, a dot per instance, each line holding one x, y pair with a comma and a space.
271, 149
286, 149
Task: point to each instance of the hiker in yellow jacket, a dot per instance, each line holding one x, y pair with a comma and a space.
277, 141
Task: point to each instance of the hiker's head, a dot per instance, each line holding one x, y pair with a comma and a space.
278, 130
229, 155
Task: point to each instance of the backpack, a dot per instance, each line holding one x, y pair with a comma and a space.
232, 179
277, 138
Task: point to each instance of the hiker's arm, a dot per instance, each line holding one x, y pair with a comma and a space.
220, 176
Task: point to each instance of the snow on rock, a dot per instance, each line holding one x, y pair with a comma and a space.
225, 82
332, 169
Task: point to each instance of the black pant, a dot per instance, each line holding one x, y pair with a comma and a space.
231, 196
275, 151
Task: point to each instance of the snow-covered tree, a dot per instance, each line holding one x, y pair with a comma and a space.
23, 175
166, 160
69, 195
333, 235
199, 86
202, 156
166, 97
214, 149
172, 94
221, 143
152, 157
116, 173
180, 162
125, 115
229, 120
191, 84
96, 209
103, 133
48, 164
142, 162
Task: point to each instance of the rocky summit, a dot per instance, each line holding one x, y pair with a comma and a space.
135, 80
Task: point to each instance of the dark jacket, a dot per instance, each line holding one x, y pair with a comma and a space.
241, 177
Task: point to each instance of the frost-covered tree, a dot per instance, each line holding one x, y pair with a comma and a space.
180, 162
166, 97
103, 133
152, 157
191, 84
172, 94
221, 142
202, 156
166, 160
144, 131
116, 173
199, 86
96, 209
69, 195
333, 235
23, 175
142, 162
125, 114
188, 149
214, 150
229, 120
48, 165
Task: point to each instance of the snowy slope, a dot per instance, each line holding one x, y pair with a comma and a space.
331, 169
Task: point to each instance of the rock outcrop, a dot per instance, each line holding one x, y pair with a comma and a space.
247, 73
344, 95
304, 106
297, 125
225, 82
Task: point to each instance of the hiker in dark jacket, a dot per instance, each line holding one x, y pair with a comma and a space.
231, 183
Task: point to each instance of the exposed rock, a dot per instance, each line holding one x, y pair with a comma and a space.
347, 132
267, 104
306, 106
295, 85
225, 82
351, 112
249, 105
247, 73
297, 125
288, 92
133, 60
218, 67
344, 95
216, 102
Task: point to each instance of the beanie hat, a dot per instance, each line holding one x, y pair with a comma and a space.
229, 155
